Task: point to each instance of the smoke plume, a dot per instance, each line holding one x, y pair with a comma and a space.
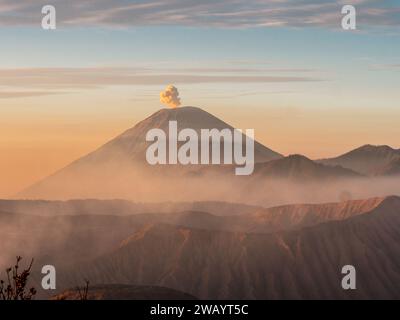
170, 97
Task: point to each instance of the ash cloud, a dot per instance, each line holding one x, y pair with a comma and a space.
170, 97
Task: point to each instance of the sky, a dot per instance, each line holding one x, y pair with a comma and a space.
282, 67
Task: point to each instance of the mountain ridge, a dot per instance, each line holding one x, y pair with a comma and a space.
367, 159
295, 264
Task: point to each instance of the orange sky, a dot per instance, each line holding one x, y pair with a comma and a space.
37, 138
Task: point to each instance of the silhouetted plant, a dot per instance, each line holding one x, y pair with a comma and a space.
15, 288
83, 292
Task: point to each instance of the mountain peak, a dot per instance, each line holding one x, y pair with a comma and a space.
367, 159
181, 109
185, 110
186, 117
373, 148
297, 157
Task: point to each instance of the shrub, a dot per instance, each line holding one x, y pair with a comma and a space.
15, 287
83, 292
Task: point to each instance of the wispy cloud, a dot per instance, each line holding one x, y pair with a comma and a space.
242, 70
25, 94
385, 67
89, 78
222, 13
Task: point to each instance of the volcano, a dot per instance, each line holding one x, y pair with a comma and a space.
131, 145
118, 169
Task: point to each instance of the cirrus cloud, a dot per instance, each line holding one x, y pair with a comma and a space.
95, 77
222, 13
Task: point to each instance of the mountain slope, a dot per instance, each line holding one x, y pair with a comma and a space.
300, 264
292, 251
304, 215
299, 167
367, 159
291, 168
119, 169
65, 234
391, 169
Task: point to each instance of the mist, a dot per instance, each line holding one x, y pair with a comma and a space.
88, 213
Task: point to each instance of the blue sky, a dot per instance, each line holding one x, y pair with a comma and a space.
354, 61
76, 46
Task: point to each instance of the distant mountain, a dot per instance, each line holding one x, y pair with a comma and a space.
299, 264
118, 169
367, 159
293, 168
298, 167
